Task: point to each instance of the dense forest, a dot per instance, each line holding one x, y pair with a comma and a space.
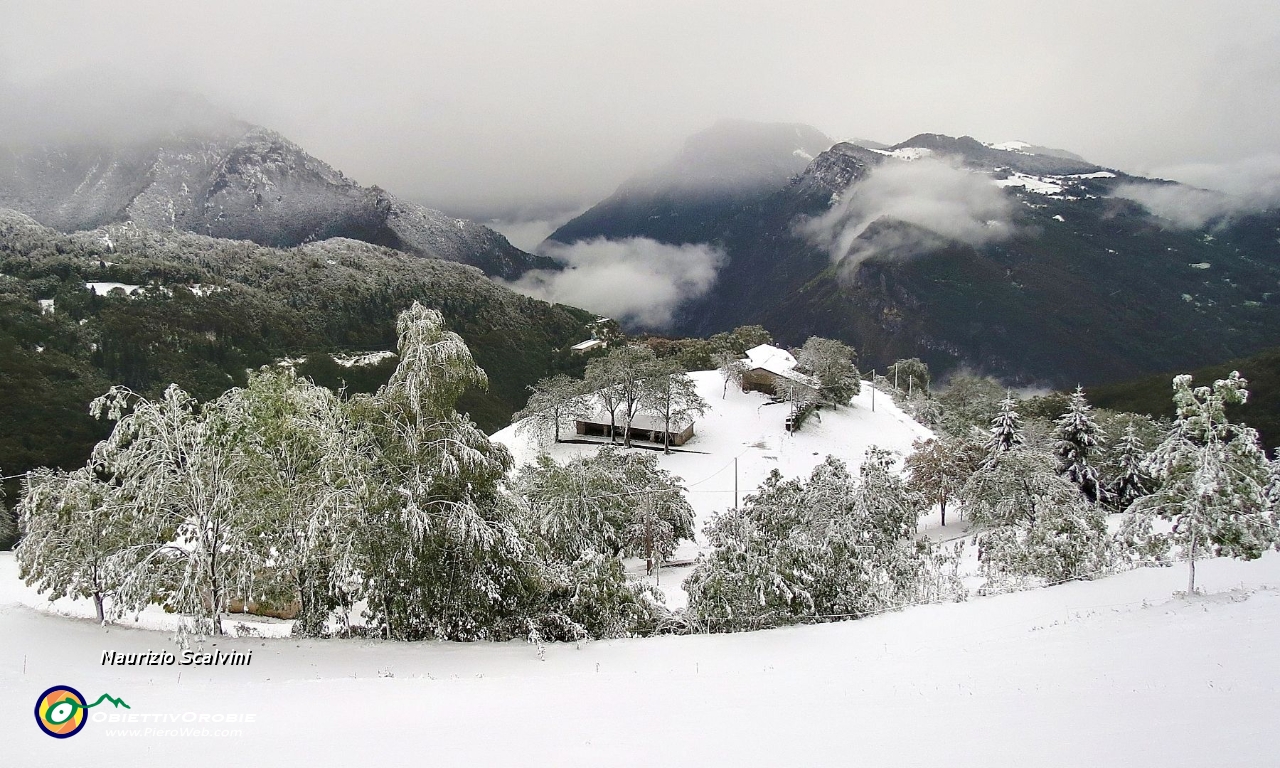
1150, 394
205, 312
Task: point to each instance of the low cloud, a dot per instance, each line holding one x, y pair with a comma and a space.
528, 233
942, 201
637, 281
1209, 192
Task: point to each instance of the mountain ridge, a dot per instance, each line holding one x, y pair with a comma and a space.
235, 180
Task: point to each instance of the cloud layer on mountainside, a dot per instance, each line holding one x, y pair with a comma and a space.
943, 201
638, 281
1209, 191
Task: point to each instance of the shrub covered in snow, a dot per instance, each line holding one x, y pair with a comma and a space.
829, 547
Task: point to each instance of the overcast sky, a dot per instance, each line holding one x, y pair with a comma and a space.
456, 104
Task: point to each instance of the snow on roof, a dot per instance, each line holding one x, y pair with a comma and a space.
583, 346
779, 362
770, 357
598, 414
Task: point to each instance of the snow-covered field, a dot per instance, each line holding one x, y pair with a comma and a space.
745, 426
1119, 671
1111, 672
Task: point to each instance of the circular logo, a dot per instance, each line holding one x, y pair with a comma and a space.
60, 711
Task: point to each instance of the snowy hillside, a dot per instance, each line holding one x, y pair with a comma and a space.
746, 427
1101, 673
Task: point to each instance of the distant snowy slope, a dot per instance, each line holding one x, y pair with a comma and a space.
239, 181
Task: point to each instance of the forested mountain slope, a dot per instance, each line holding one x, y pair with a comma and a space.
1150, 394
201, 311
1074, 283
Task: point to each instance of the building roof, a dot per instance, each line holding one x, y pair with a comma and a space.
779, 362
583, 346
596, 414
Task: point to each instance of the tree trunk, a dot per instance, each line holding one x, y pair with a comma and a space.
943, 505
97, 606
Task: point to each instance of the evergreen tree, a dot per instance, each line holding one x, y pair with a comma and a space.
8, 522
1132, 481
1213, 477
1076, 437
1006, 429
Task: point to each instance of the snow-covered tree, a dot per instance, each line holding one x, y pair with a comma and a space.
672, 398
552, 402
441, 553
968, 402
612, 502
628, 370
605, 603
939, 467
1212, 476
178, 470
831, 546
79, 540
910, 375
1076, 437
1032, 522
305, 474
833, 364
1273, 487
1132, 481
1006, 429
576, 507
658, 514
731, 367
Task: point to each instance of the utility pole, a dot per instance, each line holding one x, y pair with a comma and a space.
873, 390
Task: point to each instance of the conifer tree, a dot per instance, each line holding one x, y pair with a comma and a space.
1076, 437
1213, 477
1132, 481
1006, 429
